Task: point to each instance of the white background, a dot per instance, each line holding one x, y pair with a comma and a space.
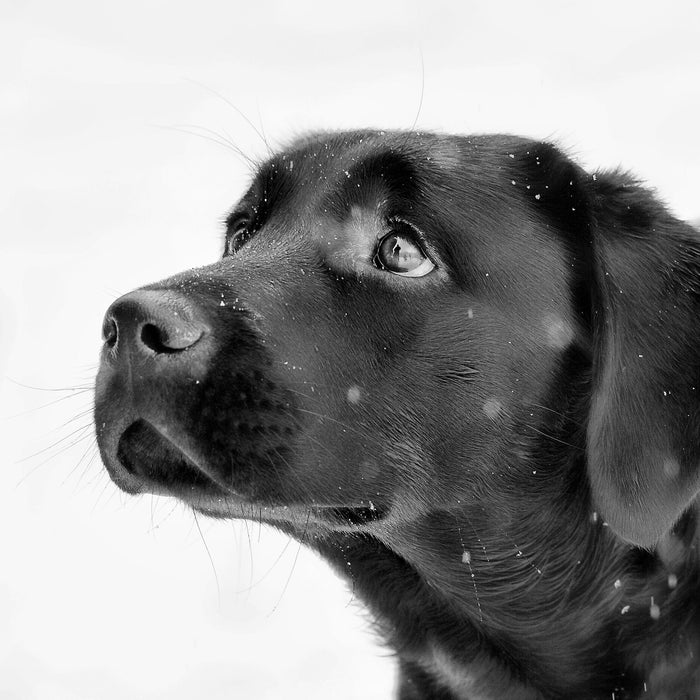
103, 187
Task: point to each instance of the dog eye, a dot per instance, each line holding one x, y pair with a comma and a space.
237, 235
399, 253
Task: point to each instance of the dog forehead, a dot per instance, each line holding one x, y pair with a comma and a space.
330, 173
337, 190
349, 176
329, 158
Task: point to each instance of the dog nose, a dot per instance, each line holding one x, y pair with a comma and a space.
152, 321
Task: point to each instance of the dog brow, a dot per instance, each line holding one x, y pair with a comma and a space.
269, 188
394, 168
387, 176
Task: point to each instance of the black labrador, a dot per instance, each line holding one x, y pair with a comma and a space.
467, 373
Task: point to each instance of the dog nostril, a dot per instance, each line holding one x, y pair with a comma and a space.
151, 337
109, 332
163, 339
152, 321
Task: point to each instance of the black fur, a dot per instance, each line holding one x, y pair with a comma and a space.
502, 455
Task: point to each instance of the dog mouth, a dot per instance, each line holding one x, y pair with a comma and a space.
164, 465
160, 465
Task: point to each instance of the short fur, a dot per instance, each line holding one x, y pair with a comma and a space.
502, 456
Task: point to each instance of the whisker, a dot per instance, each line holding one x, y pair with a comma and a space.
325, 448
262, 130
86, 461
250, 554
212, 136
222, 138
152, 511
85, 430
304, 490
58, 442
211, 560
296, 392
236, 109
269, 571
363, 435
107, 487
555, 439
294, 563
87, 411
79, 388
555, 412
174, 504
53, 402
422, 92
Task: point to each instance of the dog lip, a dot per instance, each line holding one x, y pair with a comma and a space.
108, 435
352, 515
178, 472
327, 517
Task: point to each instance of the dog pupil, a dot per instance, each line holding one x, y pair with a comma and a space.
399, 253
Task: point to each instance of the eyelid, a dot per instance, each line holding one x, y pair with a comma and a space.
237, 225
235, 220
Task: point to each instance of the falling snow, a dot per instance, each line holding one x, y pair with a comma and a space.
354, 394
492, 408
671, 468
558, 333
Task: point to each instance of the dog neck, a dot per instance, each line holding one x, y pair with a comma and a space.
514, 608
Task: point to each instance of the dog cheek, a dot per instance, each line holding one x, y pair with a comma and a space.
334, 464
471, 382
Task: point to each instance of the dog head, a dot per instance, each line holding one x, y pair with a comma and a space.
407, 323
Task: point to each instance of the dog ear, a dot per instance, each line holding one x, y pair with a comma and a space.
644, 426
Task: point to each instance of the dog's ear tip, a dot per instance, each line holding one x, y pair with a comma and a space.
642, 502
640, 529
633, 526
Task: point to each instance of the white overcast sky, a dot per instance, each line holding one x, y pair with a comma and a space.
102, 189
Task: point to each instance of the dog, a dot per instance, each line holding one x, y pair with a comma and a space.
466, 372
